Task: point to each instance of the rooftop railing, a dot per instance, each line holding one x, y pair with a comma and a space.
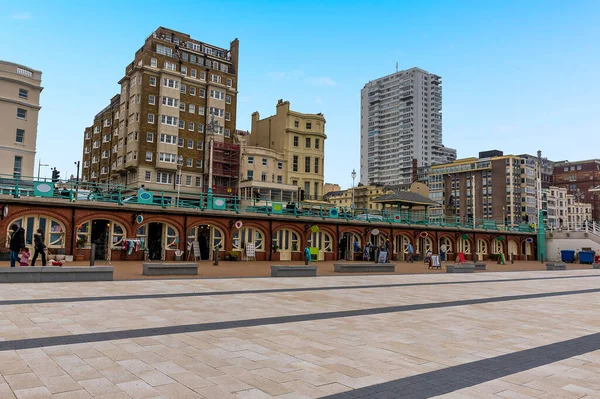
171, 197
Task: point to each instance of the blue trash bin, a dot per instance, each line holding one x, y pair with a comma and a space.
586, 257
567, 255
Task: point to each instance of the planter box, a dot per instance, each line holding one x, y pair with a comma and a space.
293, 271
556, 266
480, 266
364, 267
461, 268
169, 269
52, 274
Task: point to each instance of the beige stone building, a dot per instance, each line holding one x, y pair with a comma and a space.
20, 89
329, 187
172, 125
301, 139
263, 174
365, 196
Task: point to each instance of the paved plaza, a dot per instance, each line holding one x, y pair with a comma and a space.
502, 335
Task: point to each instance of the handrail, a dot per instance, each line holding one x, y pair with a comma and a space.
73, 191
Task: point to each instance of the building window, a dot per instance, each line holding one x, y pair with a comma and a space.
200, 145
200, 127
193, 73
199, 163
190, 144
192, 108
190, 162
153, 62
181, 124
148, 176
151, 100
192, 91
191, 126
23, 93
250, 160
229, 82
296, 141
152, 81
279, 179
280, 165
317, 143
164, 178
188, 180
200, 110
21, 113
180, 142
149, 156
227, 99
264, 161
18, 166
307, 164
227, 133
182, 106
295, 164
227, 116
201, 93
150, 118
316, 165
263, 176
307, 145
250, 175
198, 181
150, 137
183, 88
170, 66
20, 136
183, 70
308, 125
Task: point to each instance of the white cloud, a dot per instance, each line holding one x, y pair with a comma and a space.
21, 15
319, 100
285, 75
321, 81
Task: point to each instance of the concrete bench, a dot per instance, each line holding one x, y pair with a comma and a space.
596, 265
556, 266
364, 267
169, 269
293, 271
461, 268
55, 274
480, 266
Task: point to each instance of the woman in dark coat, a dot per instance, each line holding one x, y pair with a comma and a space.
17, 243
40, 247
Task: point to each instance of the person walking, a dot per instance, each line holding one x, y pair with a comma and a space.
443, 250
306, 255
17, 243
411, 253
39, 247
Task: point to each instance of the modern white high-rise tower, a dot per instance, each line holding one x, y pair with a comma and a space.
401, 121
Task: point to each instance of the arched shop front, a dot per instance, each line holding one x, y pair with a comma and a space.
159, 238
54, 231
208, 237
105, 233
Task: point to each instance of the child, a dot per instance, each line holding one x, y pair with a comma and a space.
25, 257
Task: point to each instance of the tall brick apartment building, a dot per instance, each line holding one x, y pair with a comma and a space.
177, 97
578, 178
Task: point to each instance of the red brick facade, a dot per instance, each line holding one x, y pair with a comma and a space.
73, 215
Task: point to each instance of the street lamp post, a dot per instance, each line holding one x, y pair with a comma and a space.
353, 174
40, 164
179, 167
211, 127
77, 179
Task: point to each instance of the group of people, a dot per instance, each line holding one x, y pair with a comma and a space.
371, 252
19, 253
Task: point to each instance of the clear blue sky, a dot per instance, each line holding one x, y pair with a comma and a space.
517, 75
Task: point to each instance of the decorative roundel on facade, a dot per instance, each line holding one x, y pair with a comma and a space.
314, 228
238, 224
44, 187
277, 207
333, 212
500, 238
219, 202
145, 195
465, 236
423, 234
139, 219
529, 240
375, 232
5, 211
397, 217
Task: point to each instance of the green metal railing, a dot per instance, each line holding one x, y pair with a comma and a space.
72, 191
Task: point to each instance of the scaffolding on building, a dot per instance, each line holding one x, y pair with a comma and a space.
226, 167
